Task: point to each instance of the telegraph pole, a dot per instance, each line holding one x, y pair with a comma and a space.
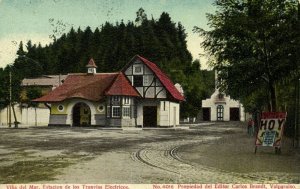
9, 112
297, 112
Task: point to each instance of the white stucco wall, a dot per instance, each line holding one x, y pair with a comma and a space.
26, 116
227, 103
174, 113
167, 112
41, 118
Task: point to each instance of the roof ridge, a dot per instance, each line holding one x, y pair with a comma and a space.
84, 74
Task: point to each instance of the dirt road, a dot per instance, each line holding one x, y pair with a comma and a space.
218, 153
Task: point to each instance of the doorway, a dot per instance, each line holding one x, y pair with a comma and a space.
234, 114
206, 114
81, 115
149, 116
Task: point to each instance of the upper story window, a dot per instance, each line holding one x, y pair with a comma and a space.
126, 100
138, 80
138, 69
115, 98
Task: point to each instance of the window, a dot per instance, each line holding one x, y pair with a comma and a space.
115, 98
220, 112
138, 80
138, 69
60, 108
90, 70
126, 100
126, 112
100, 108
116, 111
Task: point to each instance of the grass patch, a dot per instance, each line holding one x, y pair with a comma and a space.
36, 170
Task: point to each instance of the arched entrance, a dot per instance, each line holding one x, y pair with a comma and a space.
81, 114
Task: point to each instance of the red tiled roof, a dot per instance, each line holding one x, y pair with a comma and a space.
164, 79
91, 64
90, 87
121, 86
95, 86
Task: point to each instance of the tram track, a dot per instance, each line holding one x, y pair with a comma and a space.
140, 158
168, 160
171, 157
174, 154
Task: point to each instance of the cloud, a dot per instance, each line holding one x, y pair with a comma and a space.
10, 44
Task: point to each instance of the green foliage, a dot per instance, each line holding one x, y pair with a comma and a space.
3, 93
33, 93
198, 85
256, 45
5, 87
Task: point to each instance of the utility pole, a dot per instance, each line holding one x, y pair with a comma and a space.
297, 112
9, 112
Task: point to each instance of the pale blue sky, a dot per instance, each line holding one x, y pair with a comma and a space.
29, 19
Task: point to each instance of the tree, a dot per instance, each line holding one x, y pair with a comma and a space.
255, 45
141, 16
4, 94
112, 45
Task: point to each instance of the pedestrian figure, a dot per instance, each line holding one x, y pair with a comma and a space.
250, 127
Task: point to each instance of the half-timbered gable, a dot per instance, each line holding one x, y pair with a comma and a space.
144, 80
150, 81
